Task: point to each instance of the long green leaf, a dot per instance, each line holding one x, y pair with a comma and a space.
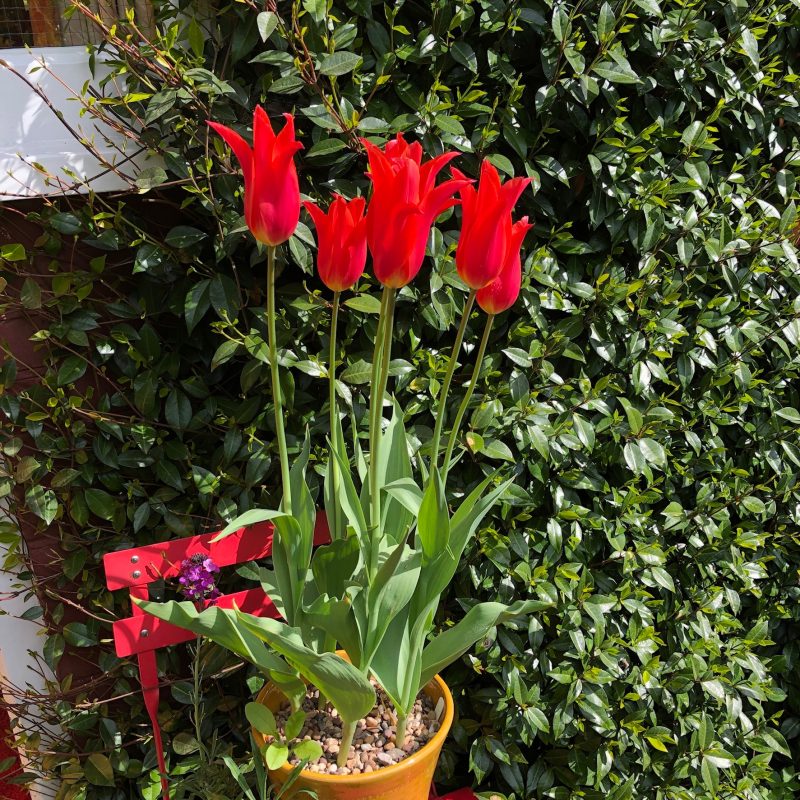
218, 625
470, 513
336, 618
334, 565
285, 547
348, 498
433, 523
342, 683
407, 493
478, 621
392, 590
251, 517
303, 509
394, 464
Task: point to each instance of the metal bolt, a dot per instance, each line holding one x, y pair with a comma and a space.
145, 633
136, 574
134, 559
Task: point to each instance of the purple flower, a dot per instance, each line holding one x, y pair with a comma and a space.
197, 578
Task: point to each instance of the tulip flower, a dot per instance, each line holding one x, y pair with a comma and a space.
405, 202
271, 190
342, 235
502, 292
486, 225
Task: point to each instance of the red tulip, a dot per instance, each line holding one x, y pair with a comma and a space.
342, 235
405, 202
502, 292
271, 190
486, 226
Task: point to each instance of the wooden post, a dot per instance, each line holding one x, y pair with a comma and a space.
44, 24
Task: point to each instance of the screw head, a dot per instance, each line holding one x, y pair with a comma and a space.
134, 559
144, 633
136, 574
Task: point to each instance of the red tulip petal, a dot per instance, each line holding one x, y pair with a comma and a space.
518, 231
286, 145
511, 191
239, 146
430, 169
441, 198
317, 214
489, 184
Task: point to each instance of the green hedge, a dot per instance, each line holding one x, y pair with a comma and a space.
644, 389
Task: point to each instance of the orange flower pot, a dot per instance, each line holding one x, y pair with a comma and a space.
409, 780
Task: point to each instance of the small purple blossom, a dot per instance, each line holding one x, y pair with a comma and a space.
197, 578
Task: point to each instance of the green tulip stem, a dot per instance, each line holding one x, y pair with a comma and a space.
348, 732
333, 409
451, 441
400, 729
374, 377
448, 378
383, 354
276, 384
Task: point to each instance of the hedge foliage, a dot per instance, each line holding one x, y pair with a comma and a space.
644, 389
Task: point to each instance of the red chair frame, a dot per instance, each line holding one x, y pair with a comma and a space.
142, 634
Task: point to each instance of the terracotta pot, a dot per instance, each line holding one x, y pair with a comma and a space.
409, 780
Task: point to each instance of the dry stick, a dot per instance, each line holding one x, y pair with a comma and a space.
467, 397
451, 368
276, 386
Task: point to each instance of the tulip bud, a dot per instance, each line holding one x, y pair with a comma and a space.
502, 292
271, 188
486, 225
342, 237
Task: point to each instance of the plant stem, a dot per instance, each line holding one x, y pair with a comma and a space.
196, 702
276, 384
451, 368
373, 382
451, 441
348, 732
333, 409
400, 729
378, 390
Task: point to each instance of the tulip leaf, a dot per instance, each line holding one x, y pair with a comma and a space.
407, 493
251, 517
287, 560
337, 619
348, 497
341, 682
433, 523
394, 464
478, 621
333, 509
220, 626
334, 565
303, 509
392, 589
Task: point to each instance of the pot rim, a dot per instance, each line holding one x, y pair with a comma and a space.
406, 764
